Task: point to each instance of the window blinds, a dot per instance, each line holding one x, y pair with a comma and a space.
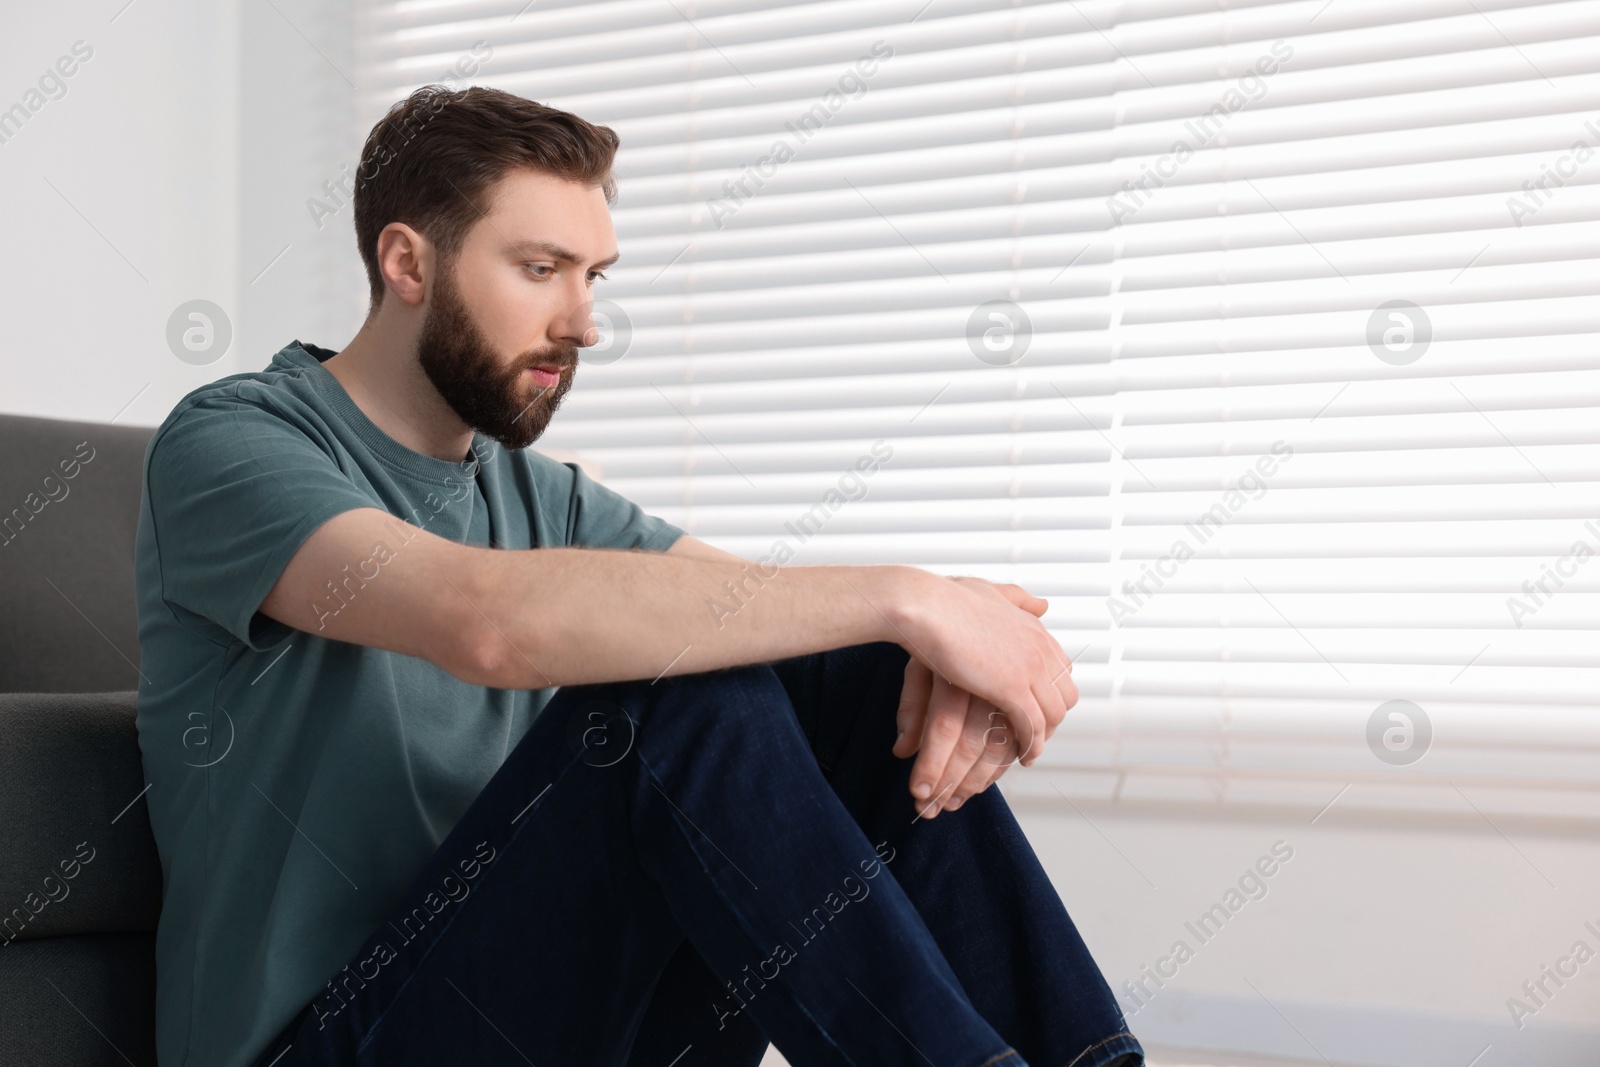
1260, 337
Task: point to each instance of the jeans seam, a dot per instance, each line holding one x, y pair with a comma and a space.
1100, 1044
997, 1057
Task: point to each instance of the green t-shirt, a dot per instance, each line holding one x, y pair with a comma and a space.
298, 784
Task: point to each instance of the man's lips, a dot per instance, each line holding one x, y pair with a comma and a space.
547, 376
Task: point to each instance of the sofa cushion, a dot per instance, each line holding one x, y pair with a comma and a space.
88, 1001
80, 858
69, 509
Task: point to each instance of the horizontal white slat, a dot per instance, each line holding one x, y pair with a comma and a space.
1313, 374
964, 417
921, 261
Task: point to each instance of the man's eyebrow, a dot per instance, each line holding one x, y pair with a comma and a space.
554, 250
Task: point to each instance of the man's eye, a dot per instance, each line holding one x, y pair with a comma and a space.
537, 268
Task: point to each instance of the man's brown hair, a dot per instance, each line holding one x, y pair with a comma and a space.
431, 161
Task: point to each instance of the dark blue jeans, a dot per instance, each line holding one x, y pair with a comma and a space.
673, 874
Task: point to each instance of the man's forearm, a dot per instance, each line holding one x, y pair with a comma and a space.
570, 616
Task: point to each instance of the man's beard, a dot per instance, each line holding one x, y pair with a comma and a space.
501, 401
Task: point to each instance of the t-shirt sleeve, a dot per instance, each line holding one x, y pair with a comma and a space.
234, 489
600, 517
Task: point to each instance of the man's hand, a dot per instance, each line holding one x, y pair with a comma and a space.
967, 743
976, 735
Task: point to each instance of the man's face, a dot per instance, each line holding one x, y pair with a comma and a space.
506, 316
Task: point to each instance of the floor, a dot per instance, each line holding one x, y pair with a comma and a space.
1158, 1059
1201, 1059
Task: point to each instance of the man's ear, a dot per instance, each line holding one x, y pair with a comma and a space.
405, 260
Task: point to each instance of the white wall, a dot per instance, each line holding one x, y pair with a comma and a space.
175, 167
1390, 939
120, 202
298, 109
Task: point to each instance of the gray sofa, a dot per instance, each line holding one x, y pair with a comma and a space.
80, 881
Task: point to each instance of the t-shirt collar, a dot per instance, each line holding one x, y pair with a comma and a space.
432, 468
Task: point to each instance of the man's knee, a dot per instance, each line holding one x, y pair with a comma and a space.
724, 696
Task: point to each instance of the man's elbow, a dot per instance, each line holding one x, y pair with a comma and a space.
482, 653
477, 661
486, 654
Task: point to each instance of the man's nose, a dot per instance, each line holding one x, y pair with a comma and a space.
578, 328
